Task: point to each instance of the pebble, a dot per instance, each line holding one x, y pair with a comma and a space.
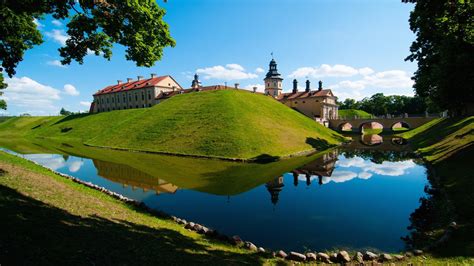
261, 250
343, 256
250, 246
370, 256
281, 254
418, 252
236, 240
359, 257
385, 257
311, 256
399, 257
323, 257
296, 256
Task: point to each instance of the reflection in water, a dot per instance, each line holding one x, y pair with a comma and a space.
296, 194
399, 141
371, 139
129, 176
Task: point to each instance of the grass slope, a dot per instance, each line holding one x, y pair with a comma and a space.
353, 113
448, 145
51, 220
441, 138
226, 124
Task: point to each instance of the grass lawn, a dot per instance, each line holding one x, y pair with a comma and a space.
226, 124
47, 219
372, 131
447, 144
349, 113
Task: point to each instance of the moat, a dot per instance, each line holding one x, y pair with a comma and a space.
359, 196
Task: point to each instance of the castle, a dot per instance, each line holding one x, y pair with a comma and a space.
319, 104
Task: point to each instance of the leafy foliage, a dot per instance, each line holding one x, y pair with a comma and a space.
65, 112
444, 49
379, 104
93, 27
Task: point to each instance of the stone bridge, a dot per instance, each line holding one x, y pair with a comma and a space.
387, 123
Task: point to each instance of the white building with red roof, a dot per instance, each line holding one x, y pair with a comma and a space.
139, 93
319, 104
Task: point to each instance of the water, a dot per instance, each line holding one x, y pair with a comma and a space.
356, 197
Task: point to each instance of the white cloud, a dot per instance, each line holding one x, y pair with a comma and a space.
259, 70
70, 90
229, 72
25, 92
397, 80
342, 176
37, 23
56, 63
326, 71
366, 71
75, 166
50, 161
369, 168
85, 103
56, 22
58, 36
260, 87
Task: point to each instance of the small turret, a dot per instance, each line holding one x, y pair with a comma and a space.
196, 83
308, 86
320, 85
295, 86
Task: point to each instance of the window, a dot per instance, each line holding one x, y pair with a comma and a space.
143, 96
130, 99
149, 105
149, 96
296, 102
107, 100
136, 98
113, 99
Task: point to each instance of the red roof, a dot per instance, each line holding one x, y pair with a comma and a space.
304, 94
166, 95
132, 85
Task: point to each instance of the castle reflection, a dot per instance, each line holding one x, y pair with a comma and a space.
129, 176
321, 167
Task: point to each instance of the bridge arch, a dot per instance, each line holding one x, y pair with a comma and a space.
369, 124
345, 126
400, 126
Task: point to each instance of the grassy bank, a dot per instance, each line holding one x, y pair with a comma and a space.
447, 144
48, 219
354, 113
225, 124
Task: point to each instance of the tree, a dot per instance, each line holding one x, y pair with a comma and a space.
65, 112
94, 26
3, 104
444, 49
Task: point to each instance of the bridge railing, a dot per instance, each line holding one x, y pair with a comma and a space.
355, 117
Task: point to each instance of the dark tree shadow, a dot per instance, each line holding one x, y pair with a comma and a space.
318, 144
32, 232
71, 117
265, 158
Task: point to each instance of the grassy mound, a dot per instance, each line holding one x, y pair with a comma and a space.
226, 124
353, 113
441, 138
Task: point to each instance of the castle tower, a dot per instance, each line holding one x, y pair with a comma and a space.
273, 80
196, 83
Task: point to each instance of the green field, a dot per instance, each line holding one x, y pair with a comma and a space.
225, 124
349, 113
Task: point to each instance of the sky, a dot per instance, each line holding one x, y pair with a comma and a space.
355, 47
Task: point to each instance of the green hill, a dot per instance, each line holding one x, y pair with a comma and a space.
226, 124
354, 112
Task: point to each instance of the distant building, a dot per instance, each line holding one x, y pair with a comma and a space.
317, 104
138, 93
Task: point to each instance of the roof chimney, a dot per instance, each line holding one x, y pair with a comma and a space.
320, 85
308, 85
295, 86
254, 89
139, 78
119, 82
153, 75
129, 80
236, 85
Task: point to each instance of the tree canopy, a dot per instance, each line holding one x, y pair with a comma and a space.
444, 50
93, 27
379, 104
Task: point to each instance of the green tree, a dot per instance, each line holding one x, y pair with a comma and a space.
65, 112
444, 49
94, 26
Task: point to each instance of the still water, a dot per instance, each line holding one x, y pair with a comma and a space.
356, 197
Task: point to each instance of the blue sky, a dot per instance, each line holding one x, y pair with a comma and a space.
356, 47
